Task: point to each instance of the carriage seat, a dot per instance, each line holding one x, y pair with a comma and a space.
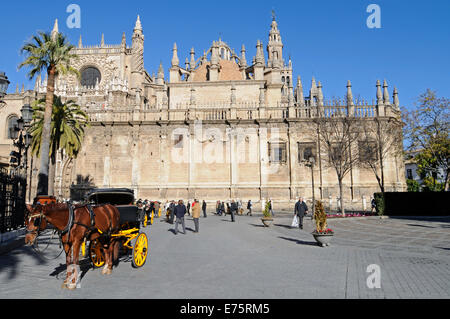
130, 214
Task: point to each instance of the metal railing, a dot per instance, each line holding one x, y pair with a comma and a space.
12, 201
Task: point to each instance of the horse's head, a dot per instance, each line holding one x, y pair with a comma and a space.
35, 222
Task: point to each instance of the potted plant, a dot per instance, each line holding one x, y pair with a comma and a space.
267, 217
322, 234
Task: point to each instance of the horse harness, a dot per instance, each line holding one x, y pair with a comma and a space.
71, 222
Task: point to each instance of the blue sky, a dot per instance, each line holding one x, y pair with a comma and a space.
328, 39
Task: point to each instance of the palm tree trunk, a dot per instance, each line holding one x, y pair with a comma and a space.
51, 177
42, 188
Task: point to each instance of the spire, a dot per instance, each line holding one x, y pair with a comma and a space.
320, 93
124, 41
138, 24
243, 58
299, 89
102, 43
175, 60
259, 53
80, 43
160, 76
214, 54
55, 30
275, 46
386, 93
192, 62
349, 94
313, 84
395, 99
379, 93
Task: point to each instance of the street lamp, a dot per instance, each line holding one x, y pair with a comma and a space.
4, 83
310, 163
27, 114
24, 139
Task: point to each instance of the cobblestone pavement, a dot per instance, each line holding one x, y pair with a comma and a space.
245, 260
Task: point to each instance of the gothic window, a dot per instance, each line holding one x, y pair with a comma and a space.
90, 76
11, 125
368, 151
277, 152
306, 151
283, 79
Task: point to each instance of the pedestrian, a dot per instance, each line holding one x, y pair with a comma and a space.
204, 209
222, 209
233, 210
188, 207
271, 208
249, 207
172, 211
196, 215
180, 212
157, 206
300, 210
374, 205
239, 205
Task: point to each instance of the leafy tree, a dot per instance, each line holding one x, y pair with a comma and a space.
413, 185
50, 53
67, 131
427, 130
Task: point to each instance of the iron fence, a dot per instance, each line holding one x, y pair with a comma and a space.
12, 201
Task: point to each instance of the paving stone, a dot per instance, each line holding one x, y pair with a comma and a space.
246, 260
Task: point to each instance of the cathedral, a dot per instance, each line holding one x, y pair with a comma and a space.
219, 126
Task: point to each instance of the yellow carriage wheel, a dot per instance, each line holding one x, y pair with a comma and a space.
96, 254
140, 251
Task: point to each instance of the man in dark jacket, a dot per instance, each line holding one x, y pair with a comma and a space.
300, 210
172, 212
249, 207
204, 209
233, 209
180, 211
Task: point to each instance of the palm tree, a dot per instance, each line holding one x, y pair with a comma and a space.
67, 131
49, 53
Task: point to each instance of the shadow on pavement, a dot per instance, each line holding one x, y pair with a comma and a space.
11, 261
260, 226
300, 242
285, 226
424, 226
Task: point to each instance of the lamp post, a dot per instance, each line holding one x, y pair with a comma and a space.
23, 139
310, 163
4, 83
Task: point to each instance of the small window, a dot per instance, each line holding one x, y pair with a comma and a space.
178, 141
277, 153
409, 173
306, 151
338, 153
367, 151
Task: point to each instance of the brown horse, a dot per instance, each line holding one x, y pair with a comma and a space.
74, 228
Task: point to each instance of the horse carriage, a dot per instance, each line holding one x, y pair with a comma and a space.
109, 221
131, 219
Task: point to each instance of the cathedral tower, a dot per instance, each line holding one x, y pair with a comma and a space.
137, 60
